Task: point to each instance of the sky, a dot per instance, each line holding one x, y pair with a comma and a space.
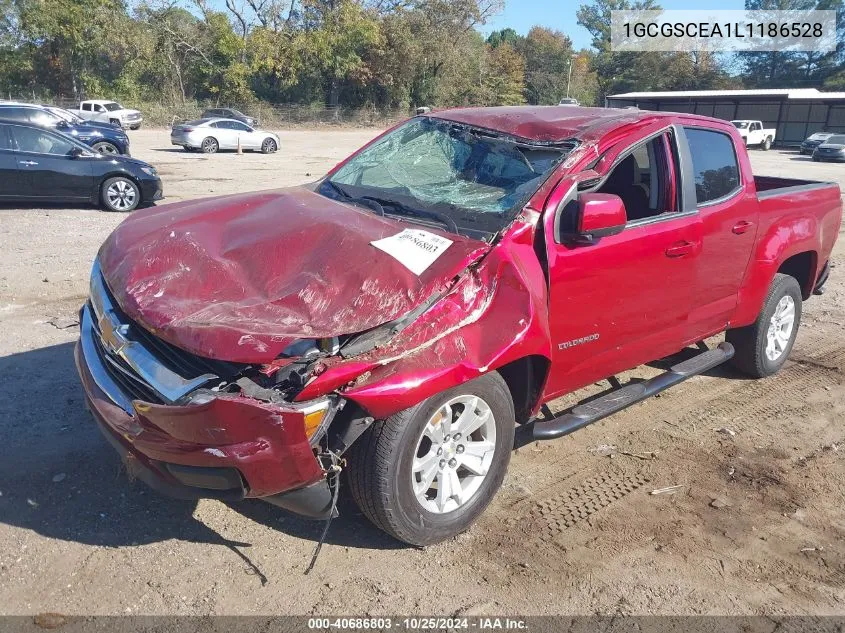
521, 15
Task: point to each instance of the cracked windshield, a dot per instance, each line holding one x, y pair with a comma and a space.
469, 180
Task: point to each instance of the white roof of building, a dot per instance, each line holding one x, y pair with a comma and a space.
789, 93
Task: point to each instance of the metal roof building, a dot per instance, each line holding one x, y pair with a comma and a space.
795, 113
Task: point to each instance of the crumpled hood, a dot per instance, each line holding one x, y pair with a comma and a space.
239, 277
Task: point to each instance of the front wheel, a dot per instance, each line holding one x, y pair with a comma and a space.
120, 194
268, 146
425, 474
209, 145
763, 347
104, 147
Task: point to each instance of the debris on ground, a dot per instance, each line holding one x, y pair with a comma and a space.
646, 455
726, 431
63, 323
719, 503
603, 450
669, 490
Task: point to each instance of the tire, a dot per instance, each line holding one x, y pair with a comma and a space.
380, 464
752, 343
116, 122
268, 146
209, 145
766, 144
816, 159
135, 127
104, 147
120, 194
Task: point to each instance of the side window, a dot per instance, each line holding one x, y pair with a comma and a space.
643, 180
239, 126
99, 108
756, 126
86, 107
5, 142
15, 114
40, 141
714, 164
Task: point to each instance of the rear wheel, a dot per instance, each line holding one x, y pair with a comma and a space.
120, 194
104, 147
763, 347
426, 474
767, 143
209, 145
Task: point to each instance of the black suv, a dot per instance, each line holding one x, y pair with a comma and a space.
229, 113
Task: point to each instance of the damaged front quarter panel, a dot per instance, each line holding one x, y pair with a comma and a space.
493, 314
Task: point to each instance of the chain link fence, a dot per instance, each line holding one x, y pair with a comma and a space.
278, 116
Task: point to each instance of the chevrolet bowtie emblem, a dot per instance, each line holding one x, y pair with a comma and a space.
110, 337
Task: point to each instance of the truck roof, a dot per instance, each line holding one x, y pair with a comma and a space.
554, 123
98, 101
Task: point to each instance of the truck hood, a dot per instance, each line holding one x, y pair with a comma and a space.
239, 278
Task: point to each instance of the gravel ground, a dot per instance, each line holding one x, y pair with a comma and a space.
756, 525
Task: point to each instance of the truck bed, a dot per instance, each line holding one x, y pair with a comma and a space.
768, 186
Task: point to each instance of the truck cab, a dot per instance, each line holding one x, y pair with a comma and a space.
430, 294
109, 112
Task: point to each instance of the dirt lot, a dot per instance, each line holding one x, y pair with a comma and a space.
757, 526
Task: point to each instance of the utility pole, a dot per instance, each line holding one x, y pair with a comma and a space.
569, 77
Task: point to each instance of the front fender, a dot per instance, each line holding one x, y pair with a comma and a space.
495, 314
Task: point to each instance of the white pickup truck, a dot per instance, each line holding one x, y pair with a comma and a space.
109, 112
753, 133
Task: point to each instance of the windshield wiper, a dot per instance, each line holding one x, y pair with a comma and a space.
367, 201
404, 209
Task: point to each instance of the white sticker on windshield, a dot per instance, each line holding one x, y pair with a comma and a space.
416, 250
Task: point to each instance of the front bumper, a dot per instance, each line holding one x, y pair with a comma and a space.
228, 447
151, 189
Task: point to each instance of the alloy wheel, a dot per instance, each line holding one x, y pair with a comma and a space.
780, 328
121, 195
453, 454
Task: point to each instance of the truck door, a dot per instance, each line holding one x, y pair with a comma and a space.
625, 299
728, 210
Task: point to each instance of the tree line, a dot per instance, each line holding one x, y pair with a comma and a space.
381, 53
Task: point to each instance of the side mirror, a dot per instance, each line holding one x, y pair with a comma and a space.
61, 124
78, 152
597, 215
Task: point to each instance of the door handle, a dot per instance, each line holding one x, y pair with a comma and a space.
27, 163
741, 227
680, 249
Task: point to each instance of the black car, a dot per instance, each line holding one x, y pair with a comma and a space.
42, 165
229, 113
813, 141
832, 149
104, 137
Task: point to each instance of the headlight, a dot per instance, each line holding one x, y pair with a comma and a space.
150, 171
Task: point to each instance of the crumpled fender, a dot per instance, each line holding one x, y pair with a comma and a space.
495, 313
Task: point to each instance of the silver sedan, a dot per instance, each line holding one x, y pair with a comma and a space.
210, 135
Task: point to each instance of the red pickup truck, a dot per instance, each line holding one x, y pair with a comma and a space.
398, 318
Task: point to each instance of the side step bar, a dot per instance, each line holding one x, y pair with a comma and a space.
618, 399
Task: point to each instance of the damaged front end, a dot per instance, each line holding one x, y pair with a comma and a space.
194, 427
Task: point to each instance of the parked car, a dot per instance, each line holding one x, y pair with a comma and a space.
569, 101
109, 112
211, 135
813, 141
43, 165
102, 137
833, 149
229, 113
753, 133
400, 316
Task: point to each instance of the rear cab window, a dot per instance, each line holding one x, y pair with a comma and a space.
714, 164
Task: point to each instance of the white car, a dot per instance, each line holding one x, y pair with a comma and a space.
753, 133
210, 135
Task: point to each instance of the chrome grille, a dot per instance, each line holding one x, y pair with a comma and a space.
138, 364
